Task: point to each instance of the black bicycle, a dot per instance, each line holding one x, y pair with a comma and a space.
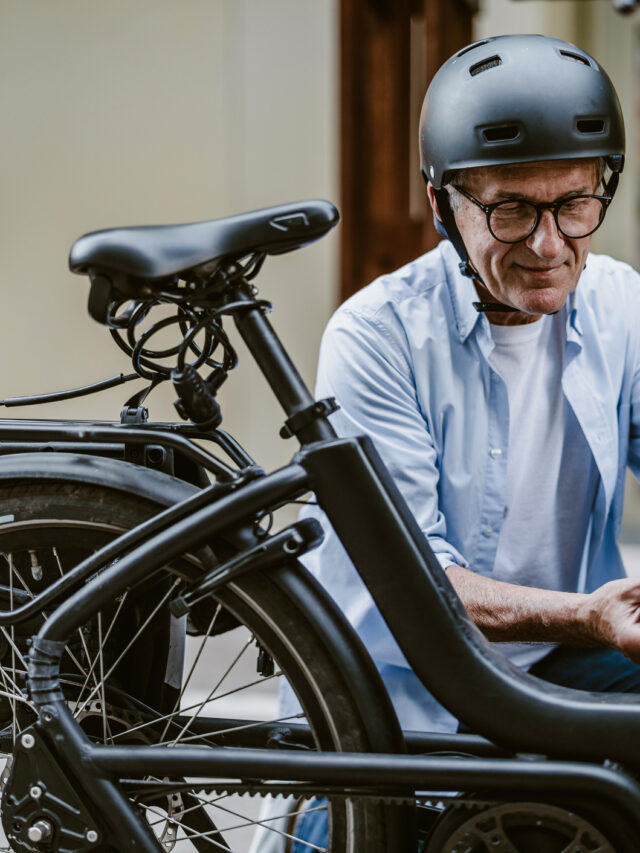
145, 588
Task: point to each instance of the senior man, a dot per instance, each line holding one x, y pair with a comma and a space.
499, 376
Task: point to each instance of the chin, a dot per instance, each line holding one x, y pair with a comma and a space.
543, 303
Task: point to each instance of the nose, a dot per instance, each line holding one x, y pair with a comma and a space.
546, 241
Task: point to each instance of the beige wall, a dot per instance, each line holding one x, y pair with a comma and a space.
149, 112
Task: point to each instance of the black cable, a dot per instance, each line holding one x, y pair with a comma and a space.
56, 396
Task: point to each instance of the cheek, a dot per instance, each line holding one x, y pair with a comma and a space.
497, 256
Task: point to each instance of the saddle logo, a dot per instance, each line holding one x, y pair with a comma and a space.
290, 221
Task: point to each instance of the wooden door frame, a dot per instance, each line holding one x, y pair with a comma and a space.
389, 51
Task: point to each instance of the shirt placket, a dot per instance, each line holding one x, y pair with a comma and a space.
495, 481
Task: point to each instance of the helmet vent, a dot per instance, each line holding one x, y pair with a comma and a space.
485, 65
505, 133
575, 57
590, 125
472, 47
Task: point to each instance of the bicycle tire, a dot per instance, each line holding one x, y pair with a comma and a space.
37, 518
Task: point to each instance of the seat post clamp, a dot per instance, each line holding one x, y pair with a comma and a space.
304, 417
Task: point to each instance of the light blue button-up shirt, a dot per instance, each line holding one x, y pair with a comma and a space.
408, 360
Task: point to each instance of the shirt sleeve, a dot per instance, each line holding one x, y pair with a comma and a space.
633, 457
364, 365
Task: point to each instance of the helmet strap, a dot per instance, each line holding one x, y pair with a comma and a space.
491, 307
611, 185
448, 228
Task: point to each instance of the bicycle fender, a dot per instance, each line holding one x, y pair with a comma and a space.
345, 645
116, 474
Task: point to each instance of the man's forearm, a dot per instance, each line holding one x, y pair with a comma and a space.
507, 612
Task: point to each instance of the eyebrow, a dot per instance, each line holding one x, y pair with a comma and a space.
503, 195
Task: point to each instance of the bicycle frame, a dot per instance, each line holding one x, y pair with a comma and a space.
423, 612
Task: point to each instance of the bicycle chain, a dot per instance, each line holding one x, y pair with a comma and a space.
296, 790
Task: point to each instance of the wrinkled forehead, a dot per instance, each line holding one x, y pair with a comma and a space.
545, 178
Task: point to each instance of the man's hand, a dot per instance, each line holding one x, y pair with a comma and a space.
613, 612
504, 612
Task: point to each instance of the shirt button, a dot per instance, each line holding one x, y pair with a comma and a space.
487, 531
495, 453
494, 377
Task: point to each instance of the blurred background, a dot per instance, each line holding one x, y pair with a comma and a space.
127, 113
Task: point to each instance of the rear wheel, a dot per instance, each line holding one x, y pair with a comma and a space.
132, 676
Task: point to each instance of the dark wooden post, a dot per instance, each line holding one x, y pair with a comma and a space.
390, 49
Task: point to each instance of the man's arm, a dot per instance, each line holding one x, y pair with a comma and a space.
609, 616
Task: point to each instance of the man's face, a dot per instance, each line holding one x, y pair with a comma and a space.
536, 274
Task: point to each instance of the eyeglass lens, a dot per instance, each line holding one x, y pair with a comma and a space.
511, 221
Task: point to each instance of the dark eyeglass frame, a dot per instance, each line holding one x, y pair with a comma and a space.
554, 206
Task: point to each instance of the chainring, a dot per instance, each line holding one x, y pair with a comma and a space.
515, 827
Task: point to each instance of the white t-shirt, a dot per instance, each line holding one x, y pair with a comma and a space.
551, 475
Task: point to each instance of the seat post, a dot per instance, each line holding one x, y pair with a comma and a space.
275, 364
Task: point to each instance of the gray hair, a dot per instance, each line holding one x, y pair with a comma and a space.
458, 177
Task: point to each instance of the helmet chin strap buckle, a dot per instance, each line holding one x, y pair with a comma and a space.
483, 307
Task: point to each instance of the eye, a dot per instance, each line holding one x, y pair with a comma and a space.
575, 205
513, 208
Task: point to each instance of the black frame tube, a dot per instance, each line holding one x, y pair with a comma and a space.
412, 772
247, 733
168, 544
276, 365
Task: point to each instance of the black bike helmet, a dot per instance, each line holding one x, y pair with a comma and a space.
516, 99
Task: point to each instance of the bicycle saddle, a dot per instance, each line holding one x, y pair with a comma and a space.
164, 251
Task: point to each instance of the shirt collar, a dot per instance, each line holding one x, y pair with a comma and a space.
574, 328
462, 291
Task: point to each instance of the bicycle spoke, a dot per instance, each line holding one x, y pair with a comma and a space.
17, 693
103, 696
246, 823
193, 667
11, 638
133, 639
189, 833
13, 571
199, 705
208, 699
233, 729
83, 643
100, 651
261, 822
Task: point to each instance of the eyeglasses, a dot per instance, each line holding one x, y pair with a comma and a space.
512, 220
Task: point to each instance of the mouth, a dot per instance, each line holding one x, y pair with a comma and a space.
540, 273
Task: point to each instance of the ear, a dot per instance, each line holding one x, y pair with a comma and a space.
433, 202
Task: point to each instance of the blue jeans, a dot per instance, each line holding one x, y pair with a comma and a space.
312, 827
597, 670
